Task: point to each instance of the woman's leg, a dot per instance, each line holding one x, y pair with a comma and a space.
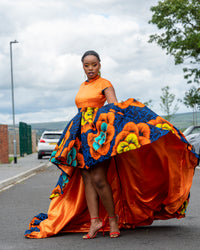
92, 202
103, 189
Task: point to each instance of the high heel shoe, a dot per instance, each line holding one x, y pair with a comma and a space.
114, 234
87, 236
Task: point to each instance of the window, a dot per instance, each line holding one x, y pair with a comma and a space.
51, 136
196, 130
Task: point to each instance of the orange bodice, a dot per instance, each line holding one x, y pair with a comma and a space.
90, 93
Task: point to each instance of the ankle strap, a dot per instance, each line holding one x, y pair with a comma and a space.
112, 217
95, 218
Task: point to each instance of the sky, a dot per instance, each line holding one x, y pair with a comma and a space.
54, 34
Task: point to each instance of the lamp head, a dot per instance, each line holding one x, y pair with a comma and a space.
14, 41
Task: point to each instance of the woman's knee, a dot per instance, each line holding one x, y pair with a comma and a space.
99, 180
99, 183
85, 175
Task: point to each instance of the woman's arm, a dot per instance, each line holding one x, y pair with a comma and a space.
110, 95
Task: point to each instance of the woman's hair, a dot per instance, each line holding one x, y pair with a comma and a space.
90, 53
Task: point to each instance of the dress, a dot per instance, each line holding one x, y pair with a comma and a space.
150, 173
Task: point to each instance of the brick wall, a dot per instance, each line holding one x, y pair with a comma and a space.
4, 144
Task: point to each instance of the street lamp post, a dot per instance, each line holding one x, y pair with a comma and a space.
13, 106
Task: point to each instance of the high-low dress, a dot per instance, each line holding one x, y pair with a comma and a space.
150, 172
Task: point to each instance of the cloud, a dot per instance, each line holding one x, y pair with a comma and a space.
52, 38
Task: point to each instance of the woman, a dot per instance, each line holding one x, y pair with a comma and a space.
138, 164
95, 180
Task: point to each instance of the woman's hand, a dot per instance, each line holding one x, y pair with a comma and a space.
110, 95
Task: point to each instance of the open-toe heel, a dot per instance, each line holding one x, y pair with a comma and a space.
87, 236
114, 234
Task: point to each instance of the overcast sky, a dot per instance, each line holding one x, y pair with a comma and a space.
53, 35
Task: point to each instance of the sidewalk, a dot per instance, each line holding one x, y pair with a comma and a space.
24, 168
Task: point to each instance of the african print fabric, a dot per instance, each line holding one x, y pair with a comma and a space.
114, 129
150, 174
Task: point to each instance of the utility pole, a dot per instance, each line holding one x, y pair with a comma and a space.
13, 106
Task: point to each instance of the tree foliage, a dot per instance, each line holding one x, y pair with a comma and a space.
192, 100
167, 103
179, 21
149, 103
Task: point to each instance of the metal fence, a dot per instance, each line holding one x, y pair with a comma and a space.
25, 138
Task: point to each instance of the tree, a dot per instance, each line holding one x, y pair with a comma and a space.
149, 103
192, 100
180, 22
167, 103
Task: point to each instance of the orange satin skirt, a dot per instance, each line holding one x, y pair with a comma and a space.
149, 183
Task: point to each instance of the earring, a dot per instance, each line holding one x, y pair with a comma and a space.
99, 73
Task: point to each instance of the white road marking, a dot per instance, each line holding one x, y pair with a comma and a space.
27, 177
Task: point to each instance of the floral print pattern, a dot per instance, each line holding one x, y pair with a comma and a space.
88, 115
163, 124
96, 134
133, 136
130, 102
72, 154
100, 143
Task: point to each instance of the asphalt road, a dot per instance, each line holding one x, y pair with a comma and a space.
30, 197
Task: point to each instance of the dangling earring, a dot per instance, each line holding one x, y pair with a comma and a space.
99, 73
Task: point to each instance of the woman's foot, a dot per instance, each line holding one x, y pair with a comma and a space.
114, 228
96, 225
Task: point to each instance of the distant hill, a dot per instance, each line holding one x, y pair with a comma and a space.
181, 121
184, 120
51, 126
41, 127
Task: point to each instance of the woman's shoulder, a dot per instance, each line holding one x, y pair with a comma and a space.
105, 82
103, 79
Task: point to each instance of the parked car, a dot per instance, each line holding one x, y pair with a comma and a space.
192, 130
47, 142
192, 135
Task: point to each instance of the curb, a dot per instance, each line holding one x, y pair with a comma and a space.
13, 180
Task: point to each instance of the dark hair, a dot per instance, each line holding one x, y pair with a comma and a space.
90, 53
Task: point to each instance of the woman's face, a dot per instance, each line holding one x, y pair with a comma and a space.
91, 66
